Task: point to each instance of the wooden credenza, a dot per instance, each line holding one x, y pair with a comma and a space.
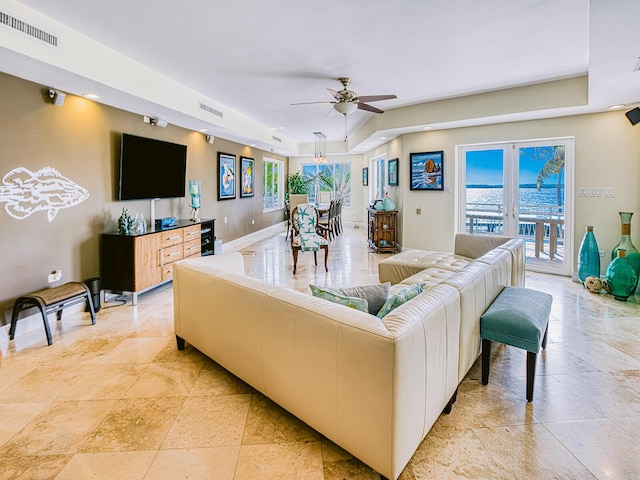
136, 263
383, 230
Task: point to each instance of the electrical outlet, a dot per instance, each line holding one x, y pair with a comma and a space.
601, 252
54, 276
225, 219
595, 191
253, 222
582, 191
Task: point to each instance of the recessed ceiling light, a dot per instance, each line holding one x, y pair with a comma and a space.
91, 96
426, 128
382, 138
615, 107
202, 130
252, 145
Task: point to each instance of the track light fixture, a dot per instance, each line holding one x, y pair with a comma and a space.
155, 121
210, 139
57, 97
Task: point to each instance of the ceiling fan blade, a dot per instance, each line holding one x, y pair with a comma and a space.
376, 98
309, 103
369, 108
335, 94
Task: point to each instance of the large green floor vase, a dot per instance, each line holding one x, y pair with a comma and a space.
625, 242
588, 256
621, 277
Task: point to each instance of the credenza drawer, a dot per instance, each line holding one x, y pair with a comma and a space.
191, 248
170, 254
191, 233
172, 237
167, 272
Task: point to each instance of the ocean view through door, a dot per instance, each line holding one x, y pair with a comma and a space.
518, 190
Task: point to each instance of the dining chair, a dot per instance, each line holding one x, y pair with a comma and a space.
327, 224
305, 237
295, 199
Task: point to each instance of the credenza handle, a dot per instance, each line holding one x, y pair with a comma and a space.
175, 237
194, 233
173, 254
161, 252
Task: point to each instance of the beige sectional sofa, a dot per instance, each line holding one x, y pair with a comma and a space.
373, 386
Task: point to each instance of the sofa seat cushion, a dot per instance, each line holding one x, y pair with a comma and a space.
410, 261
429, 276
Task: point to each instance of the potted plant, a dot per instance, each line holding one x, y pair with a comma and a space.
296, 184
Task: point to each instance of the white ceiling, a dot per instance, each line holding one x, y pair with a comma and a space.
258, 57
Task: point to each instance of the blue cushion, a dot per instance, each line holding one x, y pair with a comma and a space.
351, 302
401, 296
517, 317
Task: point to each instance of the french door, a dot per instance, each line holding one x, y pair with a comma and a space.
521, 190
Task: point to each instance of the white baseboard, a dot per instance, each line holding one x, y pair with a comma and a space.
243, 242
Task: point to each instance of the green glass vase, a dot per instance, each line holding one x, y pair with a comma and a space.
625, 242
589, 256
621, 277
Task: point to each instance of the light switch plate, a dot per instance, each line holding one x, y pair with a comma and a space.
582, 191
595, 191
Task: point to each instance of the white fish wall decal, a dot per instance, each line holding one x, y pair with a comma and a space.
25, 192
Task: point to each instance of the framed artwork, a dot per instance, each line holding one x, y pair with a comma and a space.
427, 170
365, 177
246, 177
393, 172
226, 176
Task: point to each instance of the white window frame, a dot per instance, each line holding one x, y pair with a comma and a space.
280, 183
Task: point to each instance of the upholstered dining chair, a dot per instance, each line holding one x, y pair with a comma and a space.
295, 199
305, 237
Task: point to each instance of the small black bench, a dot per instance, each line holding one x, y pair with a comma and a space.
52, 300
518, 317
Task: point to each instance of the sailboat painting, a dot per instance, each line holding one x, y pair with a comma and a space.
427, 170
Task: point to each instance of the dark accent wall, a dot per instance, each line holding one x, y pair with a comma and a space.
81, 139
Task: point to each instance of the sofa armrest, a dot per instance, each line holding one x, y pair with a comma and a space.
474, 246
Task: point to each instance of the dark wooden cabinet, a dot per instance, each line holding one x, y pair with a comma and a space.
383, 227
136, 263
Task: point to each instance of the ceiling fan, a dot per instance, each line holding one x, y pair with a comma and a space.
347, 101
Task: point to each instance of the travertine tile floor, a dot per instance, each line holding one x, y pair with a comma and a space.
118, 401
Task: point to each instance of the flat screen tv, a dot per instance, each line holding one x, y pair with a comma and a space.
151, 168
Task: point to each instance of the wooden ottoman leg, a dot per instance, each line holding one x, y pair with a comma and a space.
180, 342
90, 304
45, 320
531, 374
486, 360
17, 308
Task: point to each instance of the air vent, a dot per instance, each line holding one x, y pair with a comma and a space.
276, 139
212, 110
28, 29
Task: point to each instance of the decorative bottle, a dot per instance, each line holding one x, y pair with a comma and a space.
621, 277
632, 253
589, 256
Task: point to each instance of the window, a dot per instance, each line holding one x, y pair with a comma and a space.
328, 177
378, 177
272, 181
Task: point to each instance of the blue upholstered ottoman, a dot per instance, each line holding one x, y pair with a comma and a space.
518, 317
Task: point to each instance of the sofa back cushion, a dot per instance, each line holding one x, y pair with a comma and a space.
474, 246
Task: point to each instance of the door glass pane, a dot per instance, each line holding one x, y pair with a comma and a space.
541, 204
484, 192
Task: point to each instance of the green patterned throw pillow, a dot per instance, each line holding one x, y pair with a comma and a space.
401, 296
351, 302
